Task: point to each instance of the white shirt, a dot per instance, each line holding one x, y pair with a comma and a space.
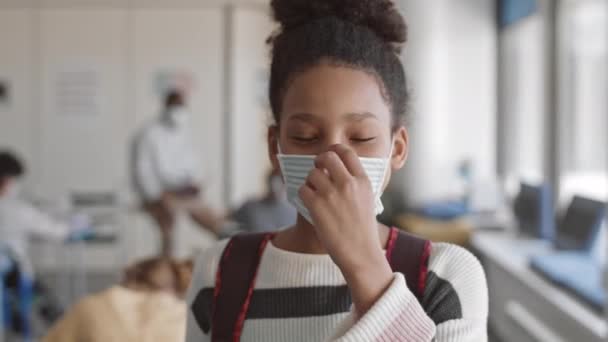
163, 159
19, 222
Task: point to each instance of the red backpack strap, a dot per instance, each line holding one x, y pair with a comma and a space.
234, 284
409, 255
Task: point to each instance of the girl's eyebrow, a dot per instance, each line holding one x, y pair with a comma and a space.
306, 117
359, 116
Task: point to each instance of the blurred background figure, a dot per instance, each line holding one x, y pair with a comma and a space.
20, 222
165, 171
270, 212
147, 305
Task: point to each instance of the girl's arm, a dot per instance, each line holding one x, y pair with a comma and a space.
454, 307
341, 201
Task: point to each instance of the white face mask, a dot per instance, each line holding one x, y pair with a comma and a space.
178, 116
295, 169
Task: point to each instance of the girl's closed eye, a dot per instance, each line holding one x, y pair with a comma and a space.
364, 133
363, 139
304, 138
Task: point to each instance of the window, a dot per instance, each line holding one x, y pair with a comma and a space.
522, 102
583, 93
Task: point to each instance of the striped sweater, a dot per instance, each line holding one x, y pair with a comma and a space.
304, 297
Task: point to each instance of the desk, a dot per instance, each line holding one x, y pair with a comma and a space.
75, 269
523, 305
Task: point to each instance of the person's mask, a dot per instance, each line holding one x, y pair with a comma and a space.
178, 116
295, 169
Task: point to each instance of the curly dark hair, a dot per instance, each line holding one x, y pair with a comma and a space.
364, 34
10, 165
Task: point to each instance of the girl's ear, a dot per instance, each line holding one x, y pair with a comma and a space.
273, 150
400, 148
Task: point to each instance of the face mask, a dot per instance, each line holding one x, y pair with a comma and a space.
178, 116
295, 169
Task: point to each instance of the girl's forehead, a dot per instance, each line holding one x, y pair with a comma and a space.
334, 91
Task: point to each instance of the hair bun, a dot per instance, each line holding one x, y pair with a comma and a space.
380, 16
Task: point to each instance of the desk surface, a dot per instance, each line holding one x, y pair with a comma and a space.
513, 254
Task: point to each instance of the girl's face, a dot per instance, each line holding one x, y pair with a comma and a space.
327, 105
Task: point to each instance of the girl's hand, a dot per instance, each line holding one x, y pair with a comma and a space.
340, 199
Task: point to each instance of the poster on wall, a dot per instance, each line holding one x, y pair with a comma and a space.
77, 91
166, 80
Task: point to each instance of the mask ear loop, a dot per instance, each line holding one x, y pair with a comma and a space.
379, 205
388, 161
279, 148
280, 158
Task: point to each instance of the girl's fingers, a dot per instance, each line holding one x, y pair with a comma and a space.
307, 194
319, 181
331, 162
350, 159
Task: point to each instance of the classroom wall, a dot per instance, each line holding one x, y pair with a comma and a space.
120, 48
449, 58
16, 61
250, 109
81, 150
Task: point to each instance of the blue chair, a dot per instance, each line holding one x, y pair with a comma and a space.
24, 295
6, 264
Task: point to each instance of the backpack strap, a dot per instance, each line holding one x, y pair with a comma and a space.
409, 255
234, 288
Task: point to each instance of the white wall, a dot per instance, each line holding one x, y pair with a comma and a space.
250, 110
450, 60
125, 44
524, 105
82, 151
17, 119
125, 48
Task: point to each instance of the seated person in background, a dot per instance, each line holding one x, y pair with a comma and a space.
165, 171
270, 212
147, 306
19, 222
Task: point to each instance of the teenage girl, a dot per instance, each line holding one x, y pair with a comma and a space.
338, 96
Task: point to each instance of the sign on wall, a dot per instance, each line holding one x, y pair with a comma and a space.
77, 91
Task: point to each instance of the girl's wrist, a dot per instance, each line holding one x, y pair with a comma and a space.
375, 264
368, 283
362, 260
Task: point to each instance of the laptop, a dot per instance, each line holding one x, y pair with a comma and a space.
579, 227
533, 211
